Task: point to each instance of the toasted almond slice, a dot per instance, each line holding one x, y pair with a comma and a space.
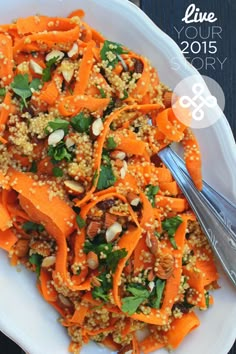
64, 300
164, 266
96, 128
117, 154
92, 260
113, 232
35, 67
133, 199
93, 228
67, 69
48, 261
23, 67
152, 243
110, 219
74, 187
68, 74
95, 281
73, 51
69, 142
123, 170
55, 137
55, 54
151, 285
21, 248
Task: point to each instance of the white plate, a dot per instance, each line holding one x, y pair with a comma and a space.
24, 316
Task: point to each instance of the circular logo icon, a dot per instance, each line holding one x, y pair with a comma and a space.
198, 101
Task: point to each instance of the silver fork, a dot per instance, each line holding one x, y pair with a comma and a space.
220, 236
225, 209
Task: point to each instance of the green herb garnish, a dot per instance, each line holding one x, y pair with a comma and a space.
22, 87
80, 221
97, 248
59, 152
95, 177
130, 304
33, 167
2, 91
35, 84
157, 293
57, 172
101, 292
125, 95
106, 177
110, 143
81, 123
47, 71
207, 299
102, 92
36, 259
30, 226
56, 124
114, 257
114, 49
171, 225
111, 259
151, 192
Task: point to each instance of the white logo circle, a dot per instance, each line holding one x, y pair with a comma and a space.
198, 101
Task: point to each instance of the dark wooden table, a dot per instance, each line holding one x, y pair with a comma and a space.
167, 14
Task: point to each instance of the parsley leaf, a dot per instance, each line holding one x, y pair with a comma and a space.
33, 167
20, 86
81, 123
102, 93
125, 95
106, 177
36, 259
95, 176
105, 248
112, 47
156, 295
171, 225
207, 299
59, 152
57, 172
101, 292
2, 91
130, 304
35, 84
56, 124
80, 221
30, 226
113, 258
151, 192
157, 234
23, 88
111, 144
47, 71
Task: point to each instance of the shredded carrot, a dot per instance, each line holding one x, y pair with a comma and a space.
107, 229
5, 110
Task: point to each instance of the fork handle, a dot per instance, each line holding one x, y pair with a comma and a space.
225, 209
221, 238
